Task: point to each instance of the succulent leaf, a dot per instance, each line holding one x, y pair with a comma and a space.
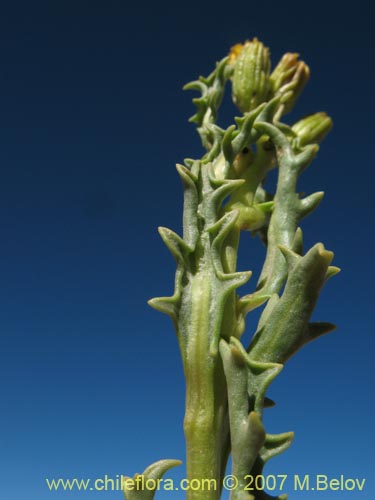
143, 490
275, 444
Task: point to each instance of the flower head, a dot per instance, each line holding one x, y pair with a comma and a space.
288, 79
312, 129
250, 79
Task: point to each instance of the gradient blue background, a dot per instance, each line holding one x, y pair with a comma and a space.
92, 121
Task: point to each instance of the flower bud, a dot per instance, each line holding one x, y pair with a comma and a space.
288, 79
312, 129
250, 218
250, 79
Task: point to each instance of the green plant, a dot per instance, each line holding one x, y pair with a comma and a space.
224, 196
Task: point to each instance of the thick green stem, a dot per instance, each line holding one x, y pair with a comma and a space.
206, 419
206, 428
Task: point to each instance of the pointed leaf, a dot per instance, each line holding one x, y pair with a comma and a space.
245, 130
178, 248
284, 332
260, 375
220, 231
186, 175
290, 256
250, 302
195, 85
190, 205
332, 271
276, 444
316, 330
297, 244
303, 159
310, 203
133, 488
225, 188
268, 403
165, 305
226, 144
268, 111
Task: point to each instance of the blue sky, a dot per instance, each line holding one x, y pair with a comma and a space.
92, 121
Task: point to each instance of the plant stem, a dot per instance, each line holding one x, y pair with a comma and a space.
206, 418
206, 427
